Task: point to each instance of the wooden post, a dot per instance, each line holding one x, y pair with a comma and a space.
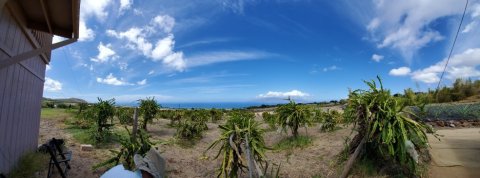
135, 123
352, 159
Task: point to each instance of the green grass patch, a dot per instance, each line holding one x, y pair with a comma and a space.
52, 113
29, 164
293, 142
80, 135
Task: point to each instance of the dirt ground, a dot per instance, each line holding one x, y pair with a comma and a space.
457, 154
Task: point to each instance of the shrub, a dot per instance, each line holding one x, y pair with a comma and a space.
62, 106
385, 127
125, 115
239, 127
293, 116
189, 129
270, 119
130, 146
330, 120
148, 109
216, 114
82, 107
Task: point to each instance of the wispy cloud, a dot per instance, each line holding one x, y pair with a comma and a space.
225, 56
405, 25
204, 42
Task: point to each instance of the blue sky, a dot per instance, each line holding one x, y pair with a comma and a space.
252, 50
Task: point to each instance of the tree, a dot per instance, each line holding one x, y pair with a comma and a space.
82, 107
293, 116
148, 109
103, 110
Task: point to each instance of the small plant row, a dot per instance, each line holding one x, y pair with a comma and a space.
449, 111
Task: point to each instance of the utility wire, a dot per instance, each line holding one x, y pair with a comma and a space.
451, 50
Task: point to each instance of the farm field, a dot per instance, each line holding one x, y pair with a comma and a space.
454, 156
188, 161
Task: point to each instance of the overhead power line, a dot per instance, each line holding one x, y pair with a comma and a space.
453, 45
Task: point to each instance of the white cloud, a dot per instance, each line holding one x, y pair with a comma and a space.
105, 53
463, 65
163, 50
142, 82
331, 68
91, 8
282, 95
112, 80
377, 57
125, 4
48, 68
402, 71
95, 8
85, 33
165, 22
52, 85
405, 25
136, 39
175, 61
151, 72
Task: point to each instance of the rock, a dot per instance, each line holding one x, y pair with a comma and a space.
451, 125
85, 147
440, 123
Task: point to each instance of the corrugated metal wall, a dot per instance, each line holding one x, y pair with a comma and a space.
21, 89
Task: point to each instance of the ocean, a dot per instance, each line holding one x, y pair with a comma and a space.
218, 105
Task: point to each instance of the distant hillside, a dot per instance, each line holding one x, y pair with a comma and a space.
64, 100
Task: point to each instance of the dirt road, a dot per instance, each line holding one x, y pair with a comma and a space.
457, 154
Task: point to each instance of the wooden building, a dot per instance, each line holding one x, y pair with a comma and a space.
26, 31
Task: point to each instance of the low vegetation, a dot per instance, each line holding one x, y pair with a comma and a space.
29, 164
293, 142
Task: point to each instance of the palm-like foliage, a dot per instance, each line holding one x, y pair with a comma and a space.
130, 146
293, 116
232, 141
148, 109
385, 125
